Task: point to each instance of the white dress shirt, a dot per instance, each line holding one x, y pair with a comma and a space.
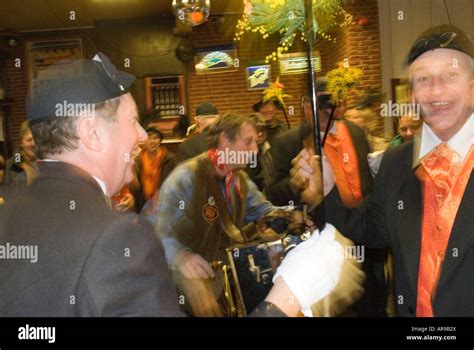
461, 142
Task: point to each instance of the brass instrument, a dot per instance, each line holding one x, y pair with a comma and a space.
250, 267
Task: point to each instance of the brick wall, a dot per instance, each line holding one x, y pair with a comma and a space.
360, 44
364, 50
228, 91
17, 88
17, 76
363, 44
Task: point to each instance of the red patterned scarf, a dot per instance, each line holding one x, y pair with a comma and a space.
230, 177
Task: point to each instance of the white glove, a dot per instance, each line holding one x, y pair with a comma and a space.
312, 269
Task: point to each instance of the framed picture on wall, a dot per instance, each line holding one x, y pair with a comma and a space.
42, 54
258, 77
297, 63
214, 60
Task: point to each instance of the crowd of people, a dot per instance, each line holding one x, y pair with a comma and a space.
124, 227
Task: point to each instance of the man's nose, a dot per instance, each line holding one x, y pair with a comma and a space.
142, 135
437, 85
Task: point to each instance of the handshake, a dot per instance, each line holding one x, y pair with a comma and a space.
319, 273
306, 178
318, 277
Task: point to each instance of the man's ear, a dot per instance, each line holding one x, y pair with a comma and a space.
88, 133
223, 140
197, 121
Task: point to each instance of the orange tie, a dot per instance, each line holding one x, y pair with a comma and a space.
442, 166
342, 156
439, 173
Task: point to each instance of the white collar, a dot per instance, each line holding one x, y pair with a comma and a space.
332, 129
461, 142
265, 147
101, 183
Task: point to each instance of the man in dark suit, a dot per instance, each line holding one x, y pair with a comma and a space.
423, 197
269, 111
288, 144
345, 152
206, 113
91, 260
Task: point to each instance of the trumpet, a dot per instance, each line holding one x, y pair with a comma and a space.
247, 275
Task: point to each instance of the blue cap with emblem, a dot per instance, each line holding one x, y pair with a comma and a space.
77, 82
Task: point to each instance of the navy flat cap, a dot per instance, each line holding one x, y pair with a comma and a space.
78, 82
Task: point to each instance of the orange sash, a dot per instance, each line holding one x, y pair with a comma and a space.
443, 184
342, 156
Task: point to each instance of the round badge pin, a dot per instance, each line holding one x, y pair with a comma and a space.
210, 213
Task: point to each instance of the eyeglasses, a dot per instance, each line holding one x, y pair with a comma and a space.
431, 43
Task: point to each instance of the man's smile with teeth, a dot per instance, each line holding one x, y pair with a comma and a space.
440, 103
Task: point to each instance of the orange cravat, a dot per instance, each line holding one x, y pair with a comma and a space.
442, 166
343, 159
444, 180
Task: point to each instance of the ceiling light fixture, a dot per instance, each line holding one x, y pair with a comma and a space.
192, 12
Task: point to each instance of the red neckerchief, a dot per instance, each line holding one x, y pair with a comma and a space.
229, 174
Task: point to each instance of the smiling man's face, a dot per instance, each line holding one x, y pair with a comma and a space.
442, 83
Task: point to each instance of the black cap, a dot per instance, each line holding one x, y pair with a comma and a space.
206, 108
257, 106
321, 86
156, 131
444, 36
75, 83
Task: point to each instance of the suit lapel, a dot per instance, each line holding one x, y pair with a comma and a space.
462, 234
410, 221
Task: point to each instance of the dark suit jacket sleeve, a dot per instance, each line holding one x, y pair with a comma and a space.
367, 222
183, 151
265, 309
193, 146
125, 274
168, 166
